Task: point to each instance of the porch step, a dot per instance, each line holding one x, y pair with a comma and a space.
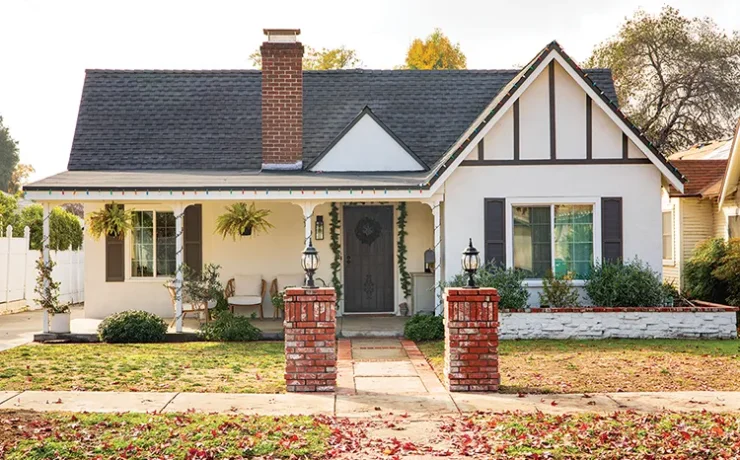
352, 327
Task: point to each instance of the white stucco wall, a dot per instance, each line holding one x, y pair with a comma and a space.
637, 184
275, 253
499, 141
570, 117
633, 325
534, 120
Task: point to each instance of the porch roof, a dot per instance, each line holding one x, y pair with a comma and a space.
178, 180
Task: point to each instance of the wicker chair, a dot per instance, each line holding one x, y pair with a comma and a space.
246, 291
188, 306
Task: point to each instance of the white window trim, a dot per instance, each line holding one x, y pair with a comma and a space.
550, 201
672, 261
729, 211
128, 248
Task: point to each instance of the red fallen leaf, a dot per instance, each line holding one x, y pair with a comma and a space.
258, 376
685, 435
520, 395
717, 430
58, 401
553, 403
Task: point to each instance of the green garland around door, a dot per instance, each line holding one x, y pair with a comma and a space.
402, 250
336, 249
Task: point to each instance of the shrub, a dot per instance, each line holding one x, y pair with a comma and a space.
558, 292
132, 326
700, 280
508, 282
230, 328
633, 284
424, 327
713, 272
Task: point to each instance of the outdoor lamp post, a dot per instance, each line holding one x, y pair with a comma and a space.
470, 262
319, 228
310, 262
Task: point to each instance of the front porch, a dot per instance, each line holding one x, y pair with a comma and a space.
85, 329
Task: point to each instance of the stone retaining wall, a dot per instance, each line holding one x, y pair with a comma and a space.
596, 323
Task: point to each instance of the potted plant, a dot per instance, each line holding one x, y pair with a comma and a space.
278, 301
113, 220
241, 219
203, 288
48, 291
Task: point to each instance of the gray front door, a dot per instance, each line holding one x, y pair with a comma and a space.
368, 259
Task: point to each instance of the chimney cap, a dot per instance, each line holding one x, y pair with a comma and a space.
282, 35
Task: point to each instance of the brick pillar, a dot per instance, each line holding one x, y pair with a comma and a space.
310, 339
471, 339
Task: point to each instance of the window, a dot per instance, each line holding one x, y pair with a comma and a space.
668, 235
733, 226
554, 237
153, 244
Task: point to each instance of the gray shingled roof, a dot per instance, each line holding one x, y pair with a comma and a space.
211, 120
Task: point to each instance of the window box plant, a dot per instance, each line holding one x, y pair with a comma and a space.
48, 291
241, 219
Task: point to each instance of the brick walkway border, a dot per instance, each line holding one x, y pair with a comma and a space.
425, 371
345, 368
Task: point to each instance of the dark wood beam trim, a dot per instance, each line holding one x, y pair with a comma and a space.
625, 146
551, 75
575, 161
589, 129
516, 129
481, 149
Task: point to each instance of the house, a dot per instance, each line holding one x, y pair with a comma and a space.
538, 166
706, 208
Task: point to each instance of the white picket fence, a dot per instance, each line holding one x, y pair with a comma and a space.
18, 273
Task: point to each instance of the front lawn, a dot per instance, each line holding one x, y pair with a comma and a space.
31, 435
589, 366
622, 435
253, 367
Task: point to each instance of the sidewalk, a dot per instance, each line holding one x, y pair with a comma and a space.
416, 405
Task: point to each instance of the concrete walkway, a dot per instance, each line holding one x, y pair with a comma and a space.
18, 328
415, 405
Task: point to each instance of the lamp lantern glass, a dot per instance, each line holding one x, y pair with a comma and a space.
470, 262
319, 228
310, 263
429, 261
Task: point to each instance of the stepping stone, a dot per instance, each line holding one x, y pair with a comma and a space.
385, 369
389, 385
370, 354
376, 343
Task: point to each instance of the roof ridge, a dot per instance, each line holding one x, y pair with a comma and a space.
317, 72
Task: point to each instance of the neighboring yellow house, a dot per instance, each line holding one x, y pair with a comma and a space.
708, 206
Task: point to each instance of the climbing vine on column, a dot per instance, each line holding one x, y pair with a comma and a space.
336, 249
402, 250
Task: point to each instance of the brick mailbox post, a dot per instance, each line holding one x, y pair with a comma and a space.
471, 339
310, 339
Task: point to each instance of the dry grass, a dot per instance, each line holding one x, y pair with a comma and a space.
581, 366
253, 367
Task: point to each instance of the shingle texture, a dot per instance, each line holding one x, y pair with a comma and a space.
211, 120
701, 175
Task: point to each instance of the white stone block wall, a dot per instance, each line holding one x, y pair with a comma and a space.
622, 324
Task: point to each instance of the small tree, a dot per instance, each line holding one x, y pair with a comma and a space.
48, 289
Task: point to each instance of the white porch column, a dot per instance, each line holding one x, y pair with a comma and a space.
45, 253
435, 203
307, 207
179, 211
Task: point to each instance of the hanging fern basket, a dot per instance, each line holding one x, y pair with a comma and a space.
247, 231
241, 219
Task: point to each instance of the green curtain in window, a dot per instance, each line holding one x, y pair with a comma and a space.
574, 231
532, 240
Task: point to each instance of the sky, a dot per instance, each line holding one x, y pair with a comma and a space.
47, 45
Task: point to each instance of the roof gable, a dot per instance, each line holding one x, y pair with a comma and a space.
701, 175
367, 145
506, 97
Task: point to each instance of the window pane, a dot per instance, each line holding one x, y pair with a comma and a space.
142, 251
532, 240
733, 226
574, 249
165, 244
667, 235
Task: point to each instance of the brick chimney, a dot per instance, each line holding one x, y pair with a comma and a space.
282, 100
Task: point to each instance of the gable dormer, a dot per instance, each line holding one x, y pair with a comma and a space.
367, 145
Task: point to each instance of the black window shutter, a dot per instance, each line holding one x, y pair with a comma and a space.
193, 237
611, 229
114, 257
495, 230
